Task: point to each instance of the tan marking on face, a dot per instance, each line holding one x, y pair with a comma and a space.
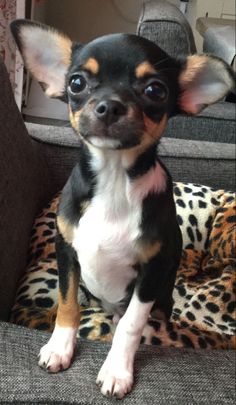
133, 113
152, 134
74, 118
68, 313
65, 228
92, 66
145, 68
146, 252
83, 206
153, 129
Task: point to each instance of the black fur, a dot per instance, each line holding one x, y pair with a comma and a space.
144, 163
155, 279
78, 189
67, 262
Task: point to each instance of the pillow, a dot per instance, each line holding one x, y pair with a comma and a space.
204, 307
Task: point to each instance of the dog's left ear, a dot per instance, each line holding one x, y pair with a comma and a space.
46, 54
204, 79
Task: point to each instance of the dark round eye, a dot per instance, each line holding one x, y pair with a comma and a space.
77, 84
155, 91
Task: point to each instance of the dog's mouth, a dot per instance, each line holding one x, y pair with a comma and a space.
122, 130
122, 134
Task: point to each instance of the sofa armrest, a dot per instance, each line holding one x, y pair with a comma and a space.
24, 188
60, 148
165, 25
194, 161
209, 163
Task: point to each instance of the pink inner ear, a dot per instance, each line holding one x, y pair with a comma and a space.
190, 101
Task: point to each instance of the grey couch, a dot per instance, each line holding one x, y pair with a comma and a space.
35, 161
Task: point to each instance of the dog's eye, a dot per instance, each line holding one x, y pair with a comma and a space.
155, 91
77, 84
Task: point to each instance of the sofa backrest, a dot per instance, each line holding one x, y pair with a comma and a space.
165, 25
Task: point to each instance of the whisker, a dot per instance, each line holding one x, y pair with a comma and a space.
167, 68
162, 61
67, 125
151, 136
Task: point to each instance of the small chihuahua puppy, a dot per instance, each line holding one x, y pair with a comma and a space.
116, 222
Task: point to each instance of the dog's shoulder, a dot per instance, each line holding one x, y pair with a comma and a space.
76, 195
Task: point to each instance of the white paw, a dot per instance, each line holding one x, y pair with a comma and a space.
57, 354
54, 360
114, 380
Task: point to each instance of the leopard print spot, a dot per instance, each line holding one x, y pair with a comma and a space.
212, 307
156, 341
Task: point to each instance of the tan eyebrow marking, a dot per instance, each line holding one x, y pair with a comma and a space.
92, 66
143, 69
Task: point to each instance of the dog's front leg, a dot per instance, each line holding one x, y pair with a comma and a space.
116, 375
57, 354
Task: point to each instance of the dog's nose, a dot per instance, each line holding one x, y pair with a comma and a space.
110, 111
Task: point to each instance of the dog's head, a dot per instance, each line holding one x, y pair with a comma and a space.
120, 88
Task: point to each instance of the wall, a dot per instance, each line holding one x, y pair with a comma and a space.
84, 20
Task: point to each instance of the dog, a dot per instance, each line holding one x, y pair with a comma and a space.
116, 222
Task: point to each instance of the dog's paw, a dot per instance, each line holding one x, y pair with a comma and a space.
55, 359
114, 380
57, 354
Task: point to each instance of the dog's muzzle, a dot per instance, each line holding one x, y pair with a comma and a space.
109, 111
112, 120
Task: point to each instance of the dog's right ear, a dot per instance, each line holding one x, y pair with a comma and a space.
46, 54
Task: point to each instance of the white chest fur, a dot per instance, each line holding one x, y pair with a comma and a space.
106, 234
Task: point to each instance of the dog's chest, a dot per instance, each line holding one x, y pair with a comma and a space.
105, 237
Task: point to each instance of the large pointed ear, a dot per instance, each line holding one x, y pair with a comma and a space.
46, 53
204, 79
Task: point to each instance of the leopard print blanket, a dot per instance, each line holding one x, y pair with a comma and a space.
204, 296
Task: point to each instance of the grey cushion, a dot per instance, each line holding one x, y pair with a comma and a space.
23, 190
173, 34
162, 376
209, 163
215, 123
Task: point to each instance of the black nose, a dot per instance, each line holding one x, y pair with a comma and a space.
109, 111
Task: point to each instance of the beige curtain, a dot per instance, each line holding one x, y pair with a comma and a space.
10, 10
